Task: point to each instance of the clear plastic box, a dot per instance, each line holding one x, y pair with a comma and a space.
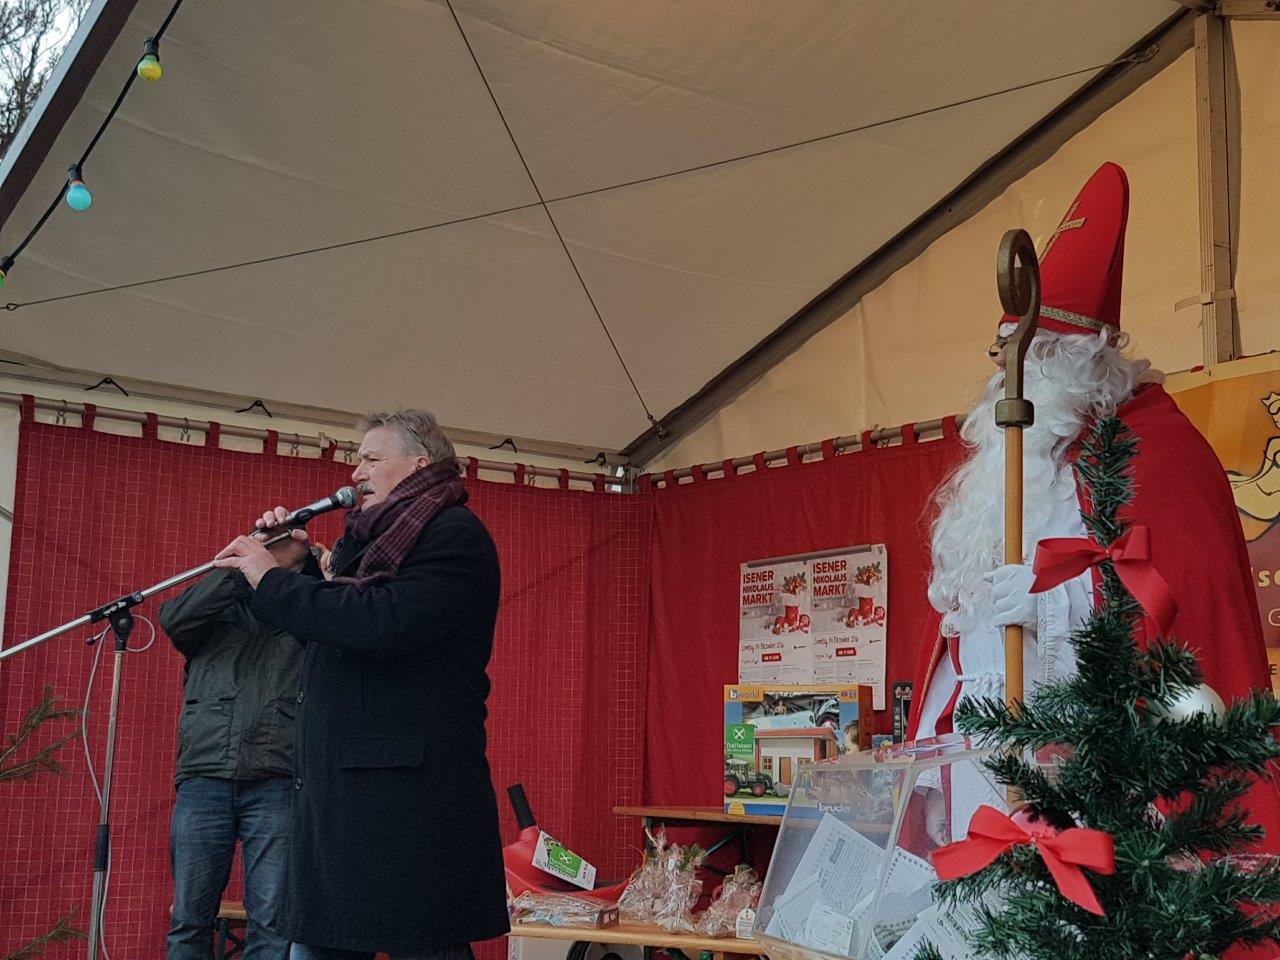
851, 876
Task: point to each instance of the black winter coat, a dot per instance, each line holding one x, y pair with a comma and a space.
239, 684
395, 845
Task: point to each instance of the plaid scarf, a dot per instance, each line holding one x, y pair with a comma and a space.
392, 527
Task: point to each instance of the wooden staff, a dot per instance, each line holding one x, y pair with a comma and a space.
1018, 279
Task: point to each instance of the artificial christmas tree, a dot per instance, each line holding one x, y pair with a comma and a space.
1140, 792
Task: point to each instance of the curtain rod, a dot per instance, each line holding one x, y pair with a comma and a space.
924, 429
320, 442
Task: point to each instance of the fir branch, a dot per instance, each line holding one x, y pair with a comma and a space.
62, 931
43, 759
1213, 822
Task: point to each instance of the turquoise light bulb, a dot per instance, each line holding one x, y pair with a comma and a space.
78, 196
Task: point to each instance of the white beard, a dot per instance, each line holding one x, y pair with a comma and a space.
1068, 379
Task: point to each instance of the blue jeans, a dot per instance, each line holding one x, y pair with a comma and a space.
303, 952
208, 817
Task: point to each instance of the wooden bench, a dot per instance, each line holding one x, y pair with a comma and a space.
231, 916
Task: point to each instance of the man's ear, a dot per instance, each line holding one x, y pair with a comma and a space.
424, 462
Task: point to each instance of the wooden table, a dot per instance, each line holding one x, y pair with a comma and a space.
652, 815
642, 935
740, 824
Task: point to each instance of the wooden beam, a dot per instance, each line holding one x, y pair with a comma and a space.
1197, 6
1218, 310
1249, 9
1165, 44
84, 64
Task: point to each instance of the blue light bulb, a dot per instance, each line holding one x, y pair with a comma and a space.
78, 195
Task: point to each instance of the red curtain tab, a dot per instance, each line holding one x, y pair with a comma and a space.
597, 482
213, 436
473, 468
728, 469
564, 479
867, 444
151, 428
669, 480
521, 470
758, 460
828, 449
89, 416
950, 426
908, 433
272, 444
27, 409
698, 473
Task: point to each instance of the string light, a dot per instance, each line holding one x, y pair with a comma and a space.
75, 192
78, 195
149, 68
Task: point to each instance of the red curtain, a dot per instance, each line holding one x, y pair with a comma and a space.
98, 515
704, 530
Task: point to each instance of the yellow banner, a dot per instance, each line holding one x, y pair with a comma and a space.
1237, 407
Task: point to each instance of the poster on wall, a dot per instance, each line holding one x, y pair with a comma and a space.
1237, 408
815, 618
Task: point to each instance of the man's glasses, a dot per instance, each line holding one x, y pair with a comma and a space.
405, 423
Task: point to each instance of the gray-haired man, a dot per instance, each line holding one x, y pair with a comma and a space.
396, 826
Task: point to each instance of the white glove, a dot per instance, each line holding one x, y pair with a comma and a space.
1011, 597
935, 818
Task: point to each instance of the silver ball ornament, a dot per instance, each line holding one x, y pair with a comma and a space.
1194, 700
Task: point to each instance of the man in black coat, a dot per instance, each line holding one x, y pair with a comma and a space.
396, 846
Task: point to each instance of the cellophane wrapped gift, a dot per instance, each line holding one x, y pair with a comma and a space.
557, 909
851, 876
740, 891
665, 887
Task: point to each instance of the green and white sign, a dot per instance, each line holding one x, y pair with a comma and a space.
740, 740
558, 860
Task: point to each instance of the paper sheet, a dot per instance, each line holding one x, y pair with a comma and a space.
843, 861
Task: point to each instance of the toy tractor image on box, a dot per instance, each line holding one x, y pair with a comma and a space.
740, 778
771, 733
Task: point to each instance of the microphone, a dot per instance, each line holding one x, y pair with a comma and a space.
344, 499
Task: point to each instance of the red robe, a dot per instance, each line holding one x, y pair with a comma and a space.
1181, 492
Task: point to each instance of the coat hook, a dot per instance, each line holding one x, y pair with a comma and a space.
506, 443
107, 382
258, 404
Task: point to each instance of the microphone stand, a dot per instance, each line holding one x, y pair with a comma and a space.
120, 616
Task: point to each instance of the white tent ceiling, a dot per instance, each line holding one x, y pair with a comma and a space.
299, 123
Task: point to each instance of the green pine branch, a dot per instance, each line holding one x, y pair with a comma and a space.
44, 759
16, 763
62, 932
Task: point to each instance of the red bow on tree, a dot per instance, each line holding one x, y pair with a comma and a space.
1058, 559
991, 833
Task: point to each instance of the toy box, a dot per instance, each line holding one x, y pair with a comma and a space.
772, 732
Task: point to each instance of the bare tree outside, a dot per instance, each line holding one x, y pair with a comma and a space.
33, 34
